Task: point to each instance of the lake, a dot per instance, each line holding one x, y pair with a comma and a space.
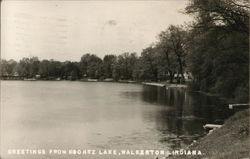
98, 115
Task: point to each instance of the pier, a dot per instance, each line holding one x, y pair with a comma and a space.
238, 106
211, 126
154, 84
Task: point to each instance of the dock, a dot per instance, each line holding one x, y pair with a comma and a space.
238, 106
92, 80
176, 86
154, 84
211, 126
29, 79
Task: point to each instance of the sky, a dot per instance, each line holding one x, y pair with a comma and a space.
65, 30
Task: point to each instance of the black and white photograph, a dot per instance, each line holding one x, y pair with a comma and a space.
124, 79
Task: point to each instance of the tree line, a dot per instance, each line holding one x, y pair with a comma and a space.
214, 48
158, 62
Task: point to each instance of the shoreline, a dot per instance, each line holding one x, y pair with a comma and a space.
229, 141
158, 84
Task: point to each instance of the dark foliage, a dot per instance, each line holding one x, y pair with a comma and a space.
214, 50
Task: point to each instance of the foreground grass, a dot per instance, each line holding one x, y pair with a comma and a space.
231, 141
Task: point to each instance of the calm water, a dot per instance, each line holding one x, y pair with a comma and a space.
85, 115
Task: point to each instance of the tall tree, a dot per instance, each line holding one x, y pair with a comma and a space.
7, 67
108, 64
123, 68
90, 65
226, 14
149, 62
218, 46
173, 43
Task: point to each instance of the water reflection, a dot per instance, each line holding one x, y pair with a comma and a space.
102, 115
190, 111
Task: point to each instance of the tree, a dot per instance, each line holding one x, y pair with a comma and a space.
108, 64
172, 43
124, 65
23, 67
226, 14
218, 47
90, 65
33, 66
44, 68
7, 67
149, 62
4, 67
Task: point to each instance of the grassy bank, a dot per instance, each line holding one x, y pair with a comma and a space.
229, 141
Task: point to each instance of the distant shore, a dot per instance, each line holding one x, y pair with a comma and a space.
152, 83
163, 84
